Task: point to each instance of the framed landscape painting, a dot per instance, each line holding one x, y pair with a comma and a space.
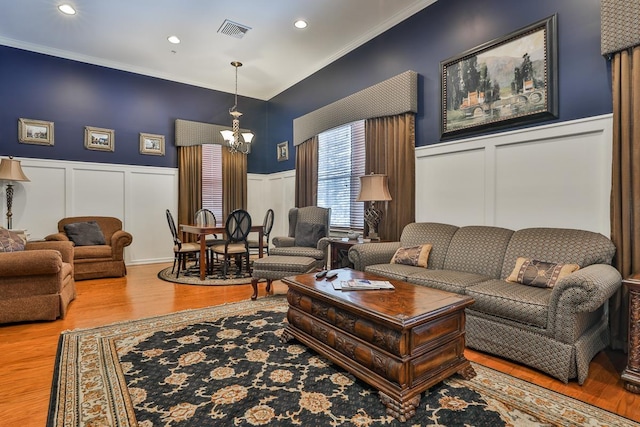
37, 132
505, 82
99, 139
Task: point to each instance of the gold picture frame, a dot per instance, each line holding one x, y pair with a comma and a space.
283, 151
99, 139
151, 144
38, 132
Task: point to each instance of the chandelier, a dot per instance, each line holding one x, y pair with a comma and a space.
237, 141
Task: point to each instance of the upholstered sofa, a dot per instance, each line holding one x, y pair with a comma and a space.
557, 330
91, 260
36, 283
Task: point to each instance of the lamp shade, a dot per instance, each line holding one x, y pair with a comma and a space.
373, 188
10, 170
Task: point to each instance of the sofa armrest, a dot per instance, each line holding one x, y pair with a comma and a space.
57, 237
119, 240
372, 253
66, 248
587, 289
323, 243
30, 263
283, 241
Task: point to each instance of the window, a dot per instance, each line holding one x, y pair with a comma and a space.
340, 166
212, 179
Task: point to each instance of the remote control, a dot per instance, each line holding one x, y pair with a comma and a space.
331, 275
321, 274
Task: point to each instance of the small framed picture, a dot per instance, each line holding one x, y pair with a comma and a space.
35, 132
99, 139
152, 144
283, 151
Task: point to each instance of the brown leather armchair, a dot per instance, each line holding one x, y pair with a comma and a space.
97, 260
36, 283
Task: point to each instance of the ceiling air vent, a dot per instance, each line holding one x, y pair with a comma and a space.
233, 29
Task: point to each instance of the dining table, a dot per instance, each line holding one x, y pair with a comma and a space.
203, 230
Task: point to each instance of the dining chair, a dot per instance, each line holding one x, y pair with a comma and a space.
237, 228
267, 225
180, 250
205, 218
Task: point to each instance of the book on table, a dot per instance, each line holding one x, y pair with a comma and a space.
362, 285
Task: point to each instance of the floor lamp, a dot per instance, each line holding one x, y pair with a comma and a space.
373, 188
10, 170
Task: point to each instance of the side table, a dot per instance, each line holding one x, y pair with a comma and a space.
340, 252
631, 374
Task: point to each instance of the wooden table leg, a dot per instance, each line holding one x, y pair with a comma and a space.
203, 259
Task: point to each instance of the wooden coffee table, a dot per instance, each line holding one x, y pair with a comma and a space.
399, 341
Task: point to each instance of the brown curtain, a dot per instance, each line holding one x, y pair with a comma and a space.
390, 149
189, 184
625, 182
307, 173
234, 181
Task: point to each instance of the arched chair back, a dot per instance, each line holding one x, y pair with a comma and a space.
237, 228
180, 250
205, 218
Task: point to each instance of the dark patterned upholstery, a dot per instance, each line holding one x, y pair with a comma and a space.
557, 330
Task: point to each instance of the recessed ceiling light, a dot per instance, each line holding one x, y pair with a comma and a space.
67, 9
173, 39
300, 24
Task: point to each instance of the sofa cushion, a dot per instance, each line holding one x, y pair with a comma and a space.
512, 301
308, 234
393, 271
298, 251
446, 280
10, 241
478, 249
92, 252
542, 274
436, 234
412, 255
84, 233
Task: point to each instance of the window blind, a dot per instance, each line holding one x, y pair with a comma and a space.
212, 180
341, 156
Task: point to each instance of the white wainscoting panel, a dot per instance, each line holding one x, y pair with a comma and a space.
137, 195
275, 191
555, 175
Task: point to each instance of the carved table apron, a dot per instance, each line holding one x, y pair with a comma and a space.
399, 341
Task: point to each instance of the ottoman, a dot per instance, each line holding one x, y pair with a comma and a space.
276, 267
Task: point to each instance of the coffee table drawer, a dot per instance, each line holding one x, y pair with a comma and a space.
427, 366
435, 331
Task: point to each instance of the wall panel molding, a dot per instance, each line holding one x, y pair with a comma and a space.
555, 175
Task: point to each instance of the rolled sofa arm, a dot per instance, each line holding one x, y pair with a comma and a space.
65, 248
30, 263
119, 240
57, 236
587, 289
283, 241
372, 253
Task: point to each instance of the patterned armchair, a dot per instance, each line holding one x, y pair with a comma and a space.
308, 234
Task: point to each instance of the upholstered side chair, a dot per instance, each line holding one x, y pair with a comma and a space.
308, 235
99, 243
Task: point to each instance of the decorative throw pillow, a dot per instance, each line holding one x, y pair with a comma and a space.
308, 234
413, 255
10, 241
539, 273
84, 233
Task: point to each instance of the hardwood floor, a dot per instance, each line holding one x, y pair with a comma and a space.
28, 350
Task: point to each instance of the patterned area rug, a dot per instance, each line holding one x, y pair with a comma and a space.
226, 366
191, 276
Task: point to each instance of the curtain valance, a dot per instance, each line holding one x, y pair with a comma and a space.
189, 133
619, 25
396, 95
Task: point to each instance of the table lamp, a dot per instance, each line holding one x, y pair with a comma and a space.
373, 188
10, 170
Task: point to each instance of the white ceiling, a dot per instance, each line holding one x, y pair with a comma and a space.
132, 35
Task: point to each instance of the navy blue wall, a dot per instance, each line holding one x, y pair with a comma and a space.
444, 30
74, 95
